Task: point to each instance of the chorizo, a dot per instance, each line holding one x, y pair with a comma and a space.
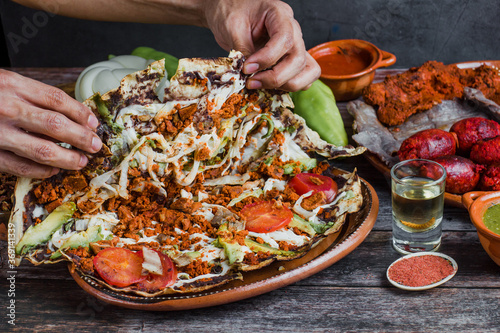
490, 179
462, 175
472, 130
428, 144
486, 152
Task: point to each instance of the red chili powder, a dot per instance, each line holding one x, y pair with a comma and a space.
420, 271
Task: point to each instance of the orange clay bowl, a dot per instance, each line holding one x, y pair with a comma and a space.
348, 66
477, 203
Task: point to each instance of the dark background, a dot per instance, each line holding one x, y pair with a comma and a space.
414, 30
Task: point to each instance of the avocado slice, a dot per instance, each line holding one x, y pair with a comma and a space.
305, 164
234, 251
83, 239
301, 224
257, 247
42, 232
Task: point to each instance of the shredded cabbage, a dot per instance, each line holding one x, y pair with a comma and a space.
251, 193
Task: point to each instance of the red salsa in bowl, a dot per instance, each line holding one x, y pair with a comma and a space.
343, 63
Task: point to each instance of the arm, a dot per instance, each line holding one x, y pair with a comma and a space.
33, 116
264, 30
182, 12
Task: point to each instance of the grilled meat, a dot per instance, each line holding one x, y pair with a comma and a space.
420, 88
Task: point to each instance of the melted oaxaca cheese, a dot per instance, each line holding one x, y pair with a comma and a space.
281, 235
183, 278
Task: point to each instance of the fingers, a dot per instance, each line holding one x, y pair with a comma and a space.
33, 117
283, 62
59, 128
305, 78
282, 36
242, 40
39, 150
52, 98
46, 110
285, 70
22, 167
267, 31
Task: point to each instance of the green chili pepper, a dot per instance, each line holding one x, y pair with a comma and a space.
171, 62
317, 106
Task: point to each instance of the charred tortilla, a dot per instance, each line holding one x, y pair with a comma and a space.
178, 169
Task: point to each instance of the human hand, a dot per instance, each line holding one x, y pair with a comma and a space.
266, 32
33, 117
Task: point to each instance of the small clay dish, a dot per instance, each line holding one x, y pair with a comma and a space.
348, 66
428, 286
477, 203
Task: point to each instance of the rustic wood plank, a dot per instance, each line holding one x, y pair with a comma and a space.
52, 76
290, 309
364, 267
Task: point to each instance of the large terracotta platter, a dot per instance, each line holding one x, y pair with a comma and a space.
451, 199
327, 252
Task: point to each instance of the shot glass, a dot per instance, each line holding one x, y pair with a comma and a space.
417, 205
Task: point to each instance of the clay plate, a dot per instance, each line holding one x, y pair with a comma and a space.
277, 275
450, 199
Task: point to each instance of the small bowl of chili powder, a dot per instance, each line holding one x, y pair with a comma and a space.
421, 271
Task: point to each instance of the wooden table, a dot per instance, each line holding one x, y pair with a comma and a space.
351, 295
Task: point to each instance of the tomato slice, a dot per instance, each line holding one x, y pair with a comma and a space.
305, 182
265, 216
155, 282
119, 267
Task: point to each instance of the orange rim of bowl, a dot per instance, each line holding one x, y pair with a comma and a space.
373, 65
480, 206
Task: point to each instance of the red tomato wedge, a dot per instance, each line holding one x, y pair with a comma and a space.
119, 267
264, 216
155, 282
305, 182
